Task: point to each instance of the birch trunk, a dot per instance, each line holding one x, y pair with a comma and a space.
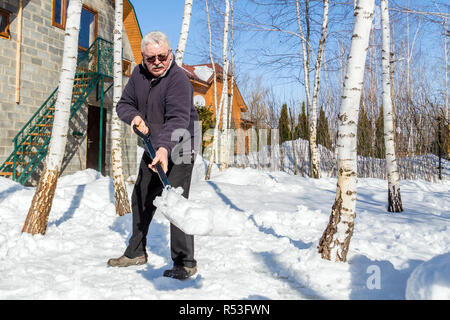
314, 162
230, 113
315, 159
293, 142
179, 55
37, 218
305, 61
224, 97
216, 109
120, 190
335, 241
394, 198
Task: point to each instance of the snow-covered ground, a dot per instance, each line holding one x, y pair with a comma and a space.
392, 256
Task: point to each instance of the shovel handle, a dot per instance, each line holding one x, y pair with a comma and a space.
162, 175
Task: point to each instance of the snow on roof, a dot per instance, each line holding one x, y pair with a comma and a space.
203, 72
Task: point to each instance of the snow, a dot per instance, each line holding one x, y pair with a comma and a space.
197, 217
430, 280
272, 255
203, 72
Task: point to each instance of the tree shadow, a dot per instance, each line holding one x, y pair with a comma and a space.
391, 284
5, 193
74, 205
224, 198
296, 243
295, 283
256, 297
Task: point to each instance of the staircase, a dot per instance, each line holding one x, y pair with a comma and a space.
31, 143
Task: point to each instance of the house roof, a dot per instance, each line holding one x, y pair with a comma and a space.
202, 73
133, 29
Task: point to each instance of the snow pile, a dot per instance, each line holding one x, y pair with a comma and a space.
196, 217
430, 280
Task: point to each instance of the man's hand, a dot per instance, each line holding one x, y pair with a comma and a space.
140, 124
161, 156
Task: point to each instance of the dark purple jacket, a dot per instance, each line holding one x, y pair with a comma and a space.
165, 103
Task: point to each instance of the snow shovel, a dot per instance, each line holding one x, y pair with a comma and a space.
162, 175
193, 217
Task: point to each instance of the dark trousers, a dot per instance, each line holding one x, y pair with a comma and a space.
148, 186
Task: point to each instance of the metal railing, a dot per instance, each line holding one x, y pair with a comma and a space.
31, 142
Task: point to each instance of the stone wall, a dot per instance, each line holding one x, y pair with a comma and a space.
42, 49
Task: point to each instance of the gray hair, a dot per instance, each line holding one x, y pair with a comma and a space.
154, 37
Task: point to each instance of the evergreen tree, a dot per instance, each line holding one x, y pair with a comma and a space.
323, 132
205, 115
283, 125
364, 134
379, 133
301, 130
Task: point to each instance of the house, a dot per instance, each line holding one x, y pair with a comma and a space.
202, 79
31, 48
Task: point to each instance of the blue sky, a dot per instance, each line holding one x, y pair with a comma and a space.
165, 16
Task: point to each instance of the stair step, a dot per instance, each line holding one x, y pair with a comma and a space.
48, 125
40, 134
20, 163
26, 152
6, 173
32, 144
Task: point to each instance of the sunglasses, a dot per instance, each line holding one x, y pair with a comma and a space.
160, 57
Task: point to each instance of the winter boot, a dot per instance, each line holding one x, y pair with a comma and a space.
124, 261
180, 272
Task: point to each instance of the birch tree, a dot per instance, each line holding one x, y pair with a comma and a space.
315, 159
293, 141
38, 213
224, 96
335, 241
179, 55
120, 191
394, 198
312, 102
217, 108
232, 76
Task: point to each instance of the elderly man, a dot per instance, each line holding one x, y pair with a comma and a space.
158, 99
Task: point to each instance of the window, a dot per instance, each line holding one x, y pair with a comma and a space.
59, 9
88, 28
126, 68
4, 23
88, 23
